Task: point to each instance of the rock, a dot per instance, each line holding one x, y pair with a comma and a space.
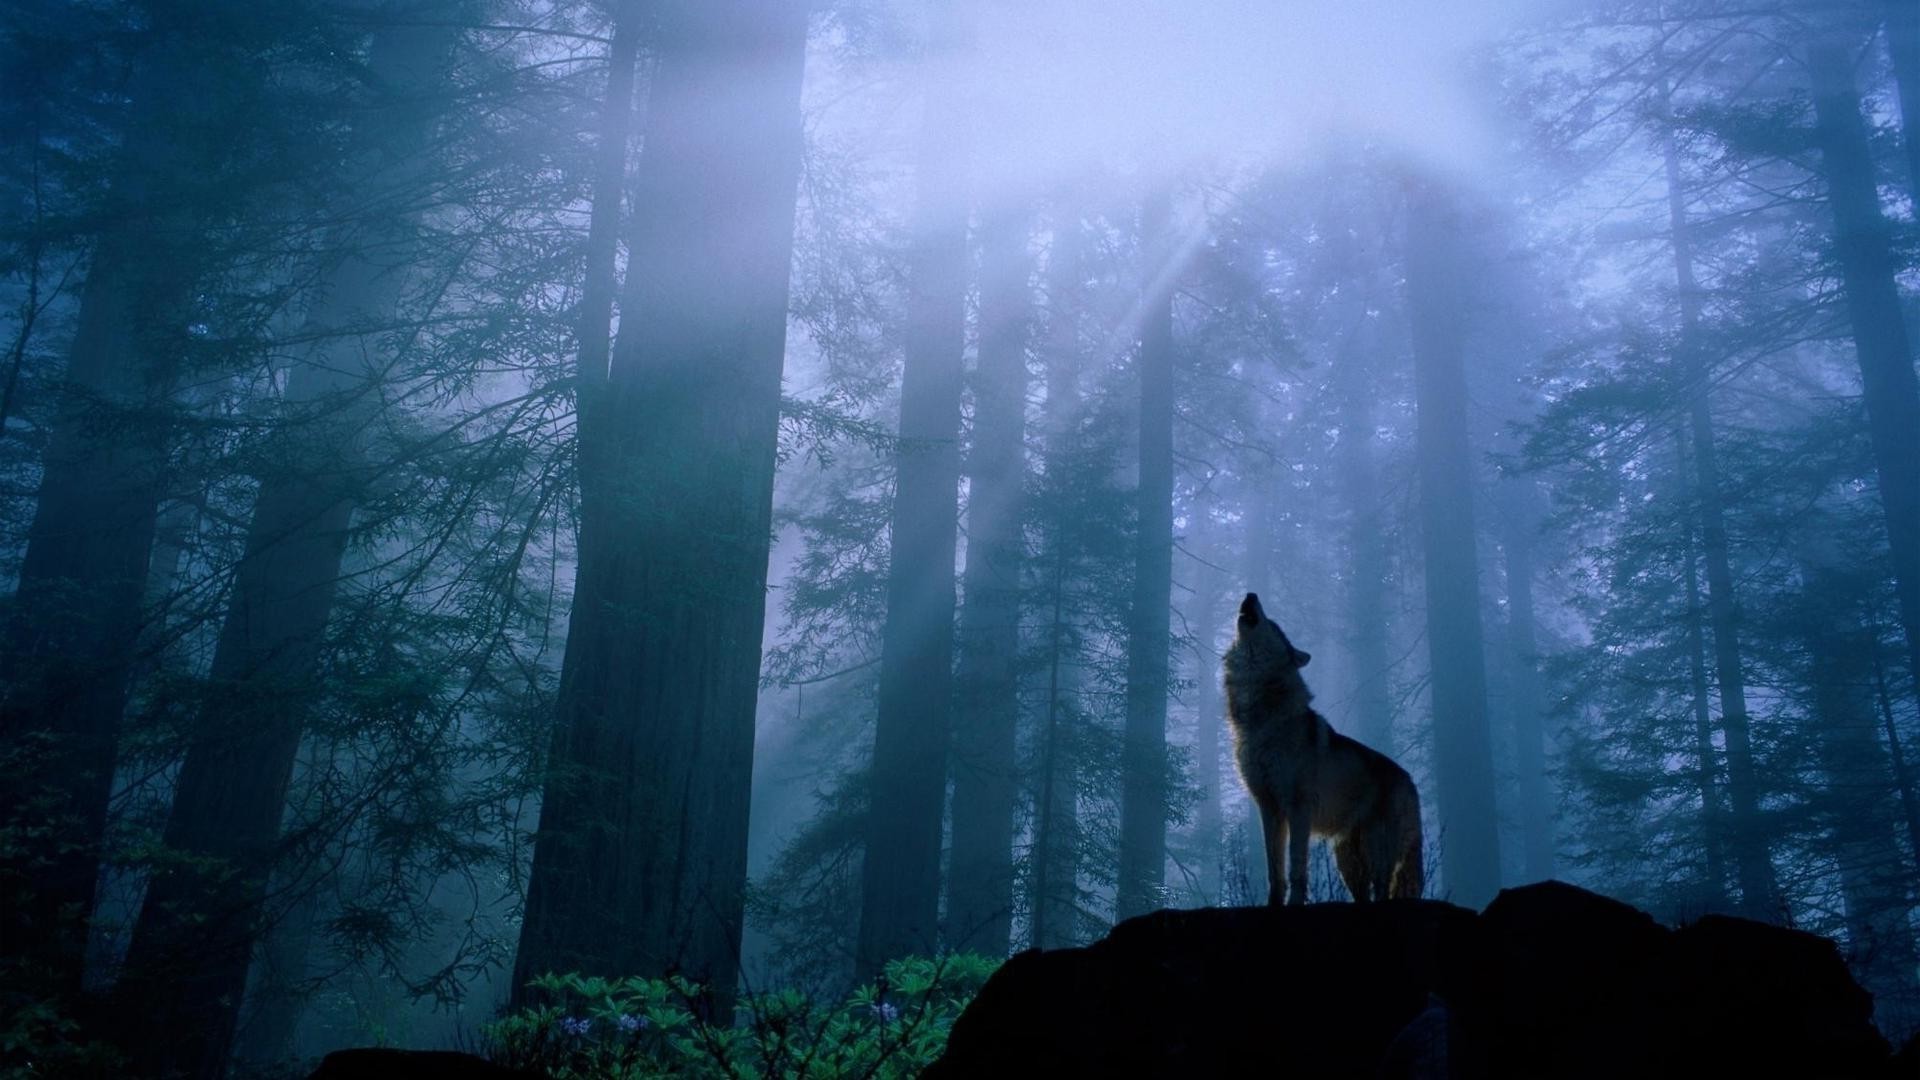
1550, 980
412, 1065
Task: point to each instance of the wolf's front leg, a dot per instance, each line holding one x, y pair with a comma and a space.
1298, 834
1273, 828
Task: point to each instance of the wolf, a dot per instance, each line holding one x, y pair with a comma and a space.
1308, 779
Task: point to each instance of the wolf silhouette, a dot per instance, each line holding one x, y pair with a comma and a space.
1310, 780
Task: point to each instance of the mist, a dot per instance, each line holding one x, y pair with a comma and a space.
599, 535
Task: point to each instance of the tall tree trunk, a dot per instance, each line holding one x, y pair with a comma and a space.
1143, 794
67, 653
1868, 275
1054, 861
277, 997
980, 877
1207, 720
1874, 871
1462, 744
1753, 863
1903, 49
639, 863
1518, 523
900, 878
1366, 549
1258, 514
1706, 758
1896, 752
186, 967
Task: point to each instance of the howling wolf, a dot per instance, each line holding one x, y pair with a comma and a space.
1309, 779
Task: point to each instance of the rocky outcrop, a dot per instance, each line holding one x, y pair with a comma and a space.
1549, 981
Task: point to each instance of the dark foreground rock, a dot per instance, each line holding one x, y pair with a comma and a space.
411, 1065
1549, 981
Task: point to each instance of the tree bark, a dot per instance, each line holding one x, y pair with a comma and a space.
1143, 798
1874, 872
900, 878
1462, 744
980, 877
1903, 49
186, 967
67, 654
1868, 277
1746, 835
639, 864
1706, 758
1367, 551
1519, 523
1054, 859
1207, 720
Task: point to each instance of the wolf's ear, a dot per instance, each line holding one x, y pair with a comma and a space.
1300, 657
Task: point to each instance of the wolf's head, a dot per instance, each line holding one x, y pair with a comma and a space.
1261, 663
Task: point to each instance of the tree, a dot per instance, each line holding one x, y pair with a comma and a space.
69, 640
1463, 749
985, 787
640, 860
1519, 525
1867, 272
900, 891
187, 965
1143, 800
1752, 861
1054, 856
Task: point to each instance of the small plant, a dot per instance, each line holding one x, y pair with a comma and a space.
594, 1028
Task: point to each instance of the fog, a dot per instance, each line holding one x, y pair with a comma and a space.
747, 497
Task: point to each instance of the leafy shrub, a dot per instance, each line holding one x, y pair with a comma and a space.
626, 1029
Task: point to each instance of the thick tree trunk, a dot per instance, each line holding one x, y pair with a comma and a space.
1874, 872
277, 996
900, 878
1868, 276
186, 968
1706, 758
67, 654
1207, 722
1903, 48
1462, 744
1366, 551
1055, 857
980, 877
1753, 862
1526, 701
639, 862
1143, 795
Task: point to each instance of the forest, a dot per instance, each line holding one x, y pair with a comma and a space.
732, 510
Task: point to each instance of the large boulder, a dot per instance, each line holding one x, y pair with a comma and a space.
1550, 981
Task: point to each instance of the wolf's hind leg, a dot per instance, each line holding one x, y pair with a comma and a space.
1350, 855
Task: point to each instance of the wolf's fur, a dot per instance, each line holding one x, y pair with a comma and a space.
1308, 779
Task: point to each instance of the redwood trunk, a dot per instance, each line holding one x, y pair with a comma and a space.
1868, 273
639, 864
1143, 799
1462, 744
980, 877
900, 878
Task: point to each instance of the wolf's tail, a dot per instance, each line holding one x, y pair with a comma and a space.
1409, 879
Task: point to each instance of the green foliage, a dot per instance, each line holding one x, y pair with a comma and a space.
625, 1029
